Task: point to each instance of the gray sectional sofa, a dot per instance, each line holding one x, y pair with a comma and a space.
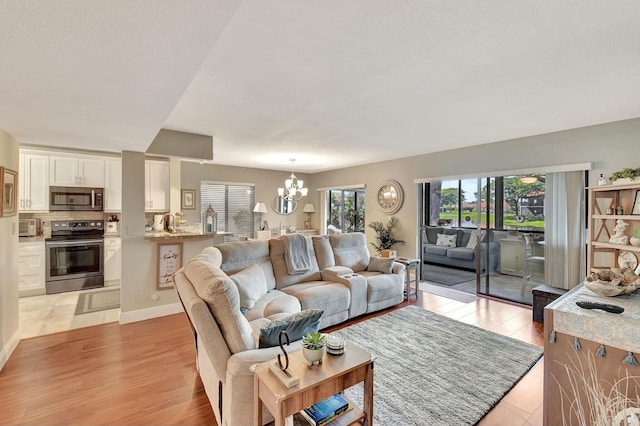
461, 255
235, 293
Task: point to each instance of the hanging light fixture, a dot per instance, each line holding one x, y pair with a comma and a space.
528, 179
294, 189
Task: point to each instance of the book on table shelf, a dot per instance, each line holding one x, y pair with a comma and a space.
326, 410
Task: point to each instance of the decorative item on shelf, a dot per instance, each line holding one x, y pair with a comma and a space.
613, 282
619, 211
635, 240
626, 175
308, 209
603, 180
636, 204
385, 239
260, 208
313, 347
209, 221
618, 237
389, 196
628, 260
391, 254
293, 188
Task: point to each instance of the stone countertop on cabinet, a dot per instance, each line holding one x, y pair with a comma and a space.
162, 235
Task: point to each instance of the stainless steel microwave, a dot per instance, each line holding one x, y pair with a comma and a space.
71, 198
29, 227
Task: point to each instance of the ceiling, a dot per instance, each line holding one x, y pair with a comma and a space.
330, 83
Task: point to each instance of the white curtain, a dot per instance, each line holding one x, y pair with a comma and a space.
564, 249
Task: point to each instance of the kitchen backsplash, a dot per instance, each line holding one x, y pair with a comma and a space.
46, 218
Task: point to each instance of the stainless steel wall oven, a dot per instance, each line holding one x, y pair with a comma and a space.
75, 256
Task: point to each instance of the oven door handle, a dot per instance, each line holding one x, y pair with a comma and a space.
73, 242
93, 199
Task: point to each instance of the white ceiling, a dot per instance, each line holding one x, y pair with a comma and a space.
331, 83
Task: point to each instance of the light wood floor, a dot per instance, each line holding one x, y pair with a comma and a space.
144, 373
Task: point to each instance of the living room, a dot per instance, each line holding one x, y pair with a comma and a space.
608, 142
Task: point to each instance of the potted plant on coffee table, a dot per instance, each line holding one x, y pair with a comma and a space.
313, 346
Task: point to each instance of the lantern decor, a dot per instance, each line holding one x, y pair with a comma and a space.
209, 221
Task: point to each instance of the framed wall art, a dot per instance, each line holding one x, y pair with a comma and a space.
188, 199
169, 261
9, 189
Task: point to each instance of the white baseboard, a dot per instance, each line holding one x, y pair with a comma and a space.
149, 313
8, 349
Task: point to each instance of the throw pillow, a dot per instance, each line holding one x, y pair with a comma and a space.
473, 240
383, 265
252, 285
446, 240
296, 325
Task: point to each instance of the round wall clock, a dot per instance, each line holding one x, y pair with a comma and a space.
389, 196
627, 260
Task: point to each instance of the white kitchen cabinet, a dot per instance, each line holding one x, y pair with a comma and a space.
112, 260
31, 268
76, 170
156, 186
512, 256
113, 185
33, 183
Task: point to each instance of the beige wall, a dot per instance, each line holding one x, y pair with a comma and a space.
266, 187
9, 326
609, 147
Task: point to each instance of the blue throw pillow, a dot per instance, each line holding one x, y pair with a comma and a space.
297, 325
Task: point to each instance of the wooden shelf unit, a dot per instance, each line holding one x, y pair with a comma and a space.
601, 253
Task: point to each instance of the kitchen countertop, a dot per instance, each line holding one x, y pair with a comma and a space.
30, 239
162, 235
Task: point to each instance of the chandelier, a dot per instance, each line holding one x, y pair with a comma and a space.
294, 189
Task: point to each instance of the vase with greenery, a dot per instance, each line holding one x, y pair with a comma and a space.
626, 173
313, 345
385, 238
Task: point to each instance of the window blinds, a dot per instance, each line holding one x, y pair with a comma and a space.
233, 205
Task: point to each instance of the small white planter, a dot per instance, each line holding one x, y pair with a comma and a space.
313, 355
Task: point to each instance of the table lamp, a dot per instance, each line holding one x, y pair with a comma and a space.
308, 208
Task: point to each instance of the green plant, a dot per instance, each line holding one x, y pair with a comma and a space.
384, 234
313, 340
626, 173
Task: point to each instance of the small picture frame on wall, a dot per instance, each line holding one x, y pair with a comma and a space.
188, 199
636, 203
169, 261
9, 192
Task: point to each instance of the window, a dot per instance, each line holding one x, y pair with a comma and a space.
505, 203
346, 209
233, 204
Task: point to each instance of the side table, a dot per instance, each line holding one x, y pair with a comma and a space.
410, 265
335, 374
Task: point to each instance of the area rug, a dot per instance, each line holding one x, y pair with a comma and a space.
432, 370
446, 276
101, 300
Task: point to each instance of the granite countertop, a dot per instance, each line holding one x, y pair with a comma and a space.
618, 330
162, 235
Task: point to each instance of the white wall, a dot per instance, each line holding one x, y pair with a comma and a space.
609, 147
9, 325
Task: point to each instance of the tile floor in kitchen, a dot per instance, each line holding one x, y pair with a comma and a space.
52, 313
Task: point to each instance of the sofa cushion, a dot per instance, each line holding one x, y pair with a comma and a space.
446, 240
221, 295
474, 238
382, 265
331, 297
237, 256
252, 285
280, 271
432, 234
462, 253
273, 305
350, 250
296, 325
324, 254
437, 250
465, 236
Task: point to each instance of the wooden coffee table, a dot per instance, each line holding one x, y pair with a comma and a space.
320, 381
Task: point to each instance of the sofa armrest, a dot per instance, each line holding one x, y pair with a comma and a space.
357, 285
328, 274
398, 268
240, 363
